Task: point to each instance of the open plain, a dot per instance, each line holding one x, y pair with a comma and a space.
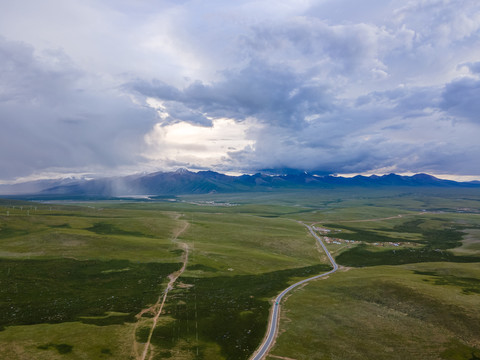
86, 280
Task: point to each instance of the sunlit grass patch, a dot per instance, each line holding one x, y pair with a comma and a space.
66, 340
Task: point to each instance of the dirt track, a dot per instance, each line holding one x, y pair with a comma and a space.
156, 309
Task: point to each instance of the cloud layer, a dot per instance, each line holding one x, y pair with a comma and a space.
326, 86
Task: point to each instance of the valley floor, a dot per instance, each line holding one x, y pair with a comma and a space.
74, 277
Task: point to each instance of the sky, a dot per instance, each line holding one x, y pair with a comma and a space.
99, 88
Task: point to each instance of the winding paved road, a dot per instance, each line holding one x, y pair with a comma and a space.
274, 316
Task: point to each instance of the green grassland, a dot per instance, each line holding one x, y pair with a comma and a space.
94, 266
238, 263
426, 307
73, 276
421, 311
226, 313
235, 244
85, 233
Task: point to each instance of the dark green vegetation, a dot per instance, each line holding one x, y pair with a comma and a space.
58, 290
229, 311
61, 348
104, 228
469, 285
74, 275
434, 243
362, 256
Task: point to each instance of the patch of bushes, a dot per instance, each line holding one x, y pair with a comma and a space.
8, 232
458, 351
467, 284
104, 228
362, 256
231, 311
435, 242
59, 290
61, 348
202, 268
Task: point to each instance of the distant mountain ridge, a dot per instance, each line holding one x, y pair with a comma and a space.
182, 182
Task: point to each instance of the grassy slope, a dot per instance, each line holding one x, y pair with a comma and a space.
386, 313
243, 244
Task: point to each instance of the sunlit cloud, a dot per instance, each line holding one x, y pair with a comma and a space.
196, 146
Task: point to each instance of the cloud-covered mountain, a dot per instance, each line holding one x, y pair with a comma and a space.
183, 182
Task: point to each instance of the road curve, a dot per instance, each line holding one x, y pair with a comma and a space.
274, 315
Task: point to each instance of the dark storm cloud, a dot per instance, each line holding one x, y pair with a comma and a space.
403, 130
462, 98
277, 96
52, 117
293, 79
157, 89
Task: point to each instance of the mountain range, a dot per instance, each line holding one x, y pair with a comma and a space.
183, 181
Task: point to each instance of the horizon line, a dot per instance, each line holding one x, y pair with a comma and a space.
89, 176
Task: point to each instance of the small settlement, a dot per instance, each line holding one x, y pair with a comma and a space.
332, 240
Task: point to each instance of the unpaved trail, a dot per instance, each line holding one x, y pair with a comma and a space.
157, 308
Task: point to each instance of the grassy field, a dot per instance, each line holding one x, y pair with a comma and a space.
90, 268
421, 311
73, 277
238, 262
426, 307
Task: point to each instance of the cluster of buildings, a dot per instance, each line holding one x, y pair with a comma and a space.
337, 241
322, 230
332, 240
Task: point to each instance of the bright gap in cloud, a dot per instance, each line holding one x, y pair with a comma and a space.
184, 144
